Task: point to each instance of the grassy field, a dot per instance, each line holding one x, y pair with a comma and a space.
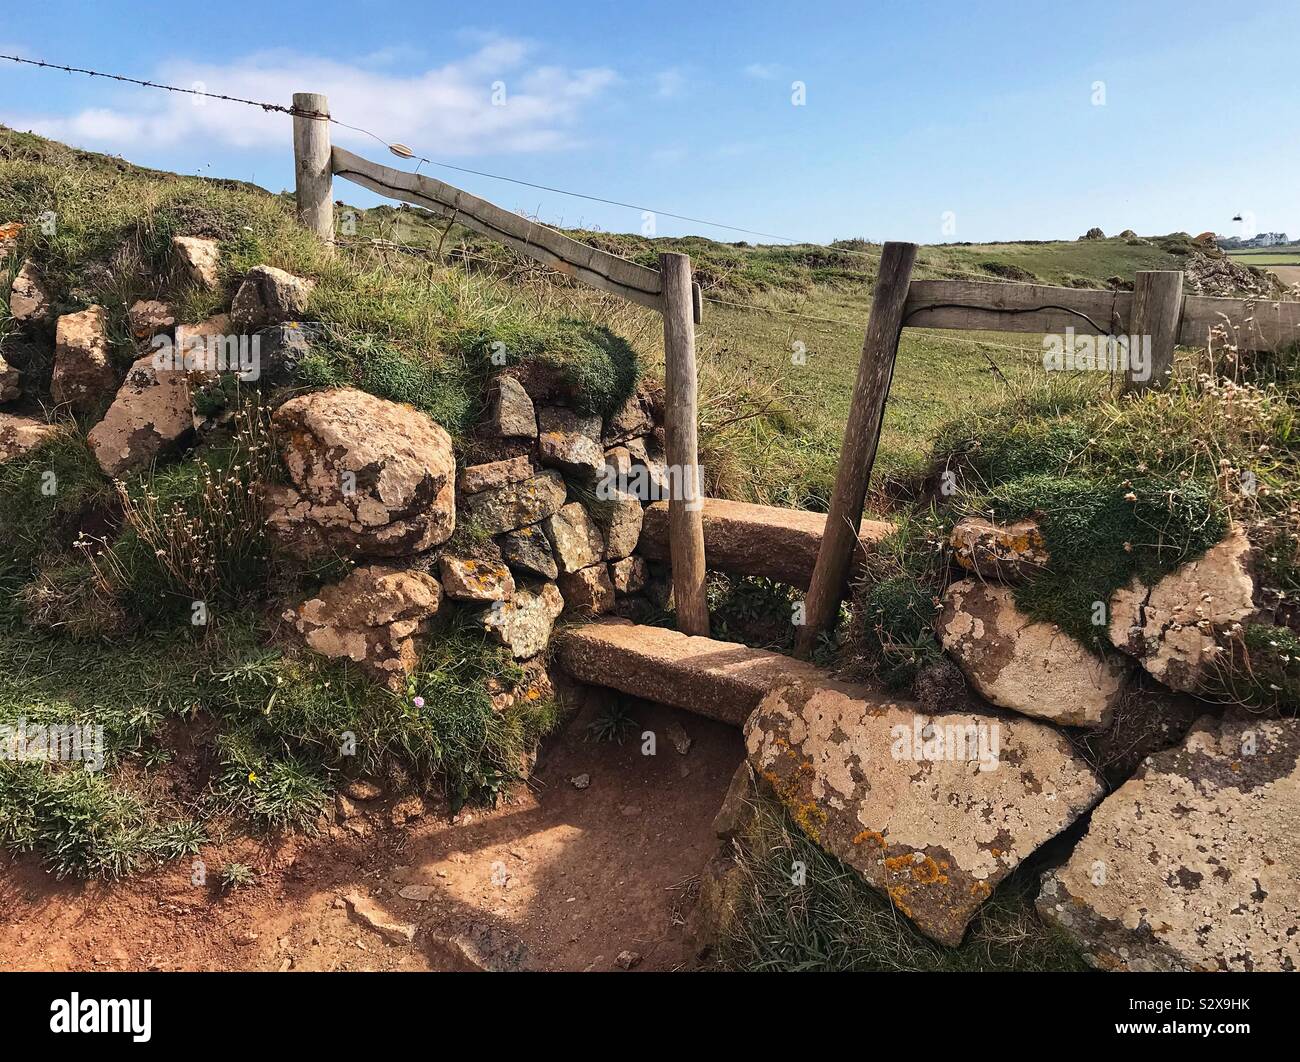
782, 335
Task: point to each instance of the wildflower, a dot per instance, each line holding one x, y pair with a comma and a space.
418, 702
1130, 497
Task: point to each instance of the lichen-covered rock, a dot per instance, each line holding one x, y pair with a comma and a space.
18, 435
511, 414
10, 382
1171, 627
575, 538
932, 810
1009, 553
1023, 664
10, 232
83, 375
477, 478
648, 459
563, 421
637, 416
148, 317
524, 623
29, 298
1191, 864
269, 296
282, 348
517, 504
476, 578
367, 476
529, 550
151, 413
571, 443
619, 517
196, 261
628, 575
588, 592
372, 618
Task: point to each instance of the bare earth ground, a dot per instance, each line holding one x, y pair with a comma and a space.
575, 876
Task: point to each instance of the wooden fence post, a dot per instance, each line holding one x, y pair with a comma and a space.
313, 173
685, 501
858, 453
1157, 312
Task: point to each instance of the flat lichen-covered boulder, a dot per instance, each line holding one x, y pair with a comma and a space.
932, 810
151, 413
18, 435
367, 476
1192, 864
1008, 553
1171, 627
1023, 664
372, 618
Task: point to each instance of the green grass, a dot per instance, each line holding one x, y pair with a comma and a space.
1121, 486
288, 726
1270, 257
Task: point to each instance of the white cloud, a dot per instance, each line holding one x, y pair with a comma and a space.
444, 111
670, 83
763, 71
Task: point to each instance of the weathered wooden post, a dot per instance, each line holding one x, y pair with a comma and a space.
685, 501
858, 453
1158, 313
314, 177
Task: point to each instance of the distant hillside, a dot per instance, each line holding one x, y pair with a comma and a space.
744, 268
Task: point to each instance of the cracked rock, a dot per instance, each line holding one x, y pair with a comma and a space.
932, 810
1191, 863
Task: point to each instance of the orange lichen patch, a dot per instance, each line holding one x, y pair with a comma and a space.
928, 872
870, 835
897, 863
981, 890
806, 813
896, 894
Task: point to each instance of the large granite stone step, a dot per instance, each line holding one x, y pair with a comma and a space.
747, 539
722, 680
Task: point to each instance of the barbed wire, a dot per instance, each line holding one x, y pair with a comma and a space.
405, 152
391, 145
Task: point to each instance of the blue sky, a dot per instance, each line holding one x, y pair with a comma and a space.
1004, 120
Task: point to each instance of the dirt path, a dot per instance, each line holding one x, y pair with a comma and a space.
557, 878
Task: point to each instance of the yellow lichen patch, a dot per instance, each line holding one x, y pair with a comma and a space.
896, 894
928, 872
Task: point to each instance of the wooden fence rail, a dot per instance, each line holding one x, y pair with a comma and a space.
1252, 324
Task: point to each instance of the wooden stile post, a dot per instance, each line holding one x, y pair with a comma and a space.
685, 502
313, 173
1157, 312
858, 453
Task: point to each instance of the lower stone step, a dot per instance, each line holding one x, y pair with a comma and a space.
747, 539
721, 680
